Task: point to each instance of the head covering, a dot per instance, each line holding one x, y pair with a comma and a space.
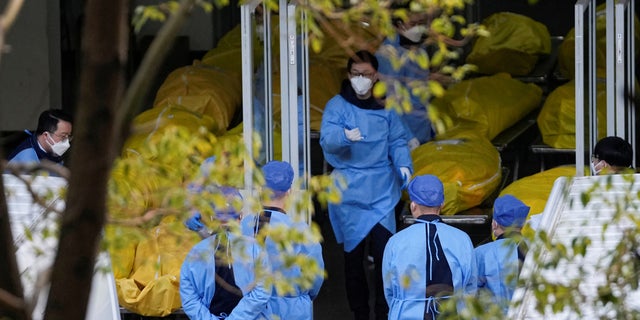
508, 211
278, 176
426, 190
228, 212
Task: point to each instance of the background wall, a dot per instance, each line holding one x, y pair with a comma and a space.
30, 72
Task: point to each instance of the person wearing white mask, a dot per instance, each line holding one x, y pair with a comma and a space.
366, 145
410, 35
612, 155
49, 142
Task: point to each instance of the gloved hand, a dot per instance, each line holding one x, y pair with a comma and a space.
353, 134
413, 143
405, 172
195, 222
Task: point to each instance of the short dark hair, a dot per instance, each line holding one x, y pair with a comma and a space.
363, 56
48, 120
615, 151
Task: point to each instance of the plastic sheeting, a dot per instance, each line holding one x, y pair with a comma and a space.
534, 190
514, 46
469, 169
566, 52
152, 286
205, 90
488, 104
557, 119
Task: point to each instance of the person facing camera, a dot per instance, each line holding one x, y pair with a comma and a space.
366, 146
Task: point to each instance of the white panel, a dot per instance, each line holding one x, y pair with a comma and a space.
36, 255
565, 218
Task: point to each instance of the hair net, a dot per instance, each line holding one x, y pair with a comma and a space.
278, 176
228, 212
426, 190
508, 211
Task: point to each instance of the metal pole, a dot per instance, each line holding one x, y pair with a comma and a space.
247, 92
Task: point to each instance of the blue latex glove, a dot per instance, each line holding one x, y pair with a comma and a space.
195, 222
406, 176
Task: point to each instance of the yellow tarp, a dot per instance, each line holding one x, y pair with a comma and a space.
535, 189
210, 91
557, 119
488, 104
514, 46
566, 52
469, 169
152, 287
151, 123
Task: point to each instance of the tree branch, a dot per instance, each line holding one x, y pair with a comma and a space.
139, 86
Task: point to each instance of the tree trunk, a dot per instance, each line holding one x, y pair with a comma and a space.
104, 45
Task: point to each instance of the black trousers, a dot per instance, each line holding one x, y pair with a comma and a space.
356, 275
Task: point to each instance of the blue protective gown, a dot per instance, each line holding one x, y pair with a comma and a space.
369, 168
417, 121
198, 284
296, 306
409, 254
498, 268
30, 151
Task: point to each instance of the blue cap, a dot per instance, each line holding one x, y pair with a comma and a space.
426, 190
278, 176
229, 212
508, 211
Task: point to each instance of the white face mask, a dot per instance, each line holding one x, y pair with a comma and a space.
415, 33
594, 171
361, 85
59, 148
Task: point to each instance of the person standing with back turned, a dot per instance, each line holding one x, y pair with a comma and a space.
296, 304
366, 145
428, 261
499, 261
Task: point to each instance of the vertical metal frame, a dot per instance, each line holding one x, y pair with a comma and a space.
247, 90
268, 85
306, 116
585, 81
611, 63
631, 77
619, 58
289, 85
625, 71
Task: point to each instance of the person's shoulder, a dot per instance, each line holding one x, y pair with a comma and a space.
455, 231
408, 231
24, 155
337, 99
481, 249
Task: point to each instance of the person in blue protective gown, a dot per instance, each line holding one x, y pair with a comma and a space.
50, 141
366, 146
409, 37
218, 278
428, 261
297, 303
499, 262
